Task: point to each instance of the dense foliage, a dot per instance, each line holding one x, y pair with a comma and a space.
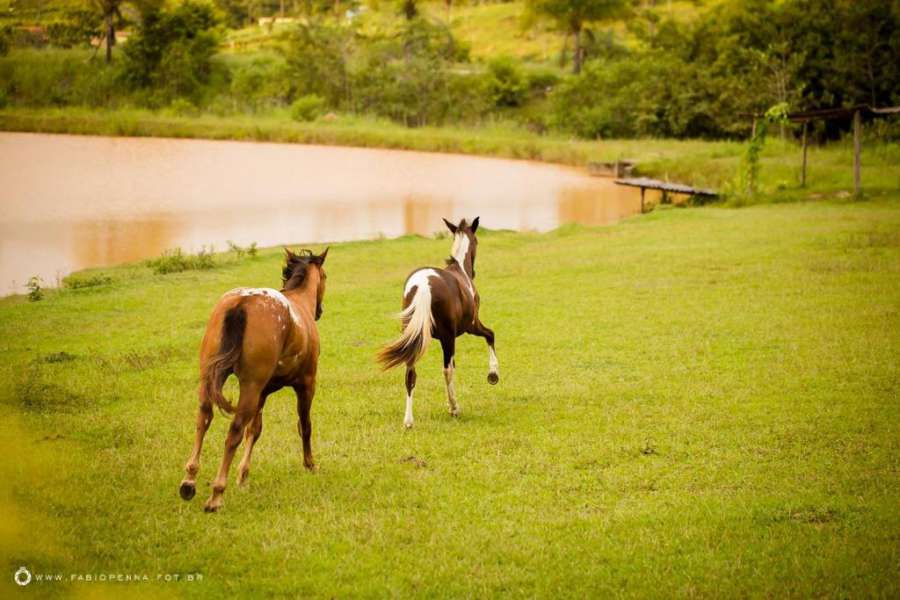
658, 76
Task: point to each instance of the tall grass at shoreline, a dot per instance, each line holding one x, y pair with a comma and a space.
700, 163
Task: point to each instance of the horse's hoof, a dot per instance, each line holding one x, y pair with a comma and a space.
242, 479
187, 490
408, 424
493, 378
212, 506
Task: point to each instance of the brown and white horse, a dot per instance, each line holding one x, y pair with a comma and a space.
269, 340
442, 304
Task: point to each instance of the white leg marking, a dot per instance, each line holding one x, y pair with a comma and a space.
493, 363
408, 419
451, 393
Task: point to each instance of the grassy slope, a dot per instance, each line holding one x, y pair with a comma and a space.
694, 402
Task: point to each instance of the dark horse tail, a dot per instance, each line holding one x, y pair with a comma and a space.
417, 322
222, 364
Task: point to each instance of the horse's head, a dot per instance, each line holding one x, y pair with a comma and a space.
305, 268
465, 243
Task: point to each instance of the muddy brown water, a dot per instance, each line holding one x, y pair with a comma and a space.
71, 202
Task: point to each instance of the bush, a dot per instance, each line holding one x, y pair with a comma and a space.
5, 40
57, 78
77, 282
264, 83
35, 291
171, 52
240, 251
78, 28
176, 261
506, 84
307, 108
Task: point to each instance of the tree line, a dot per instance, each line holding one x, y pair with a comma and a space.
698, 77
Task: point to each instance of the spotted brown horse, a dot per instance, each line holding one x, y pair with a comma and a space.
268, 339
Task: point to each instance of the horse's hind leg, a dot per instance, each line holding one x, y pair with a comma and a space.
247, 407
204, 417
251, 435
449, 348
410, 386
305, 392
493, 364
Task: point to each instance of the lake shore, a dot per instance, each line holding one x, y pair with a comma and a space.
711, 164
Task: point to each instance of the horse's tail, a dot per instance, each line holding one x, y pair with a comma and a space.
220, 366
417, 322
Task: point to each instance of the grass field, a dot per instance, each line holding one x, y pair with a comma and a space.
696, 402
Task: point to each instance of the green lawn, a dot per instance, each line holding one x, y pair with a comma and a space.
696, 402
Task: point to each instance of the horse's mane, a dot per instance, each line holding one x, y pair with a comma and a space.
295, 268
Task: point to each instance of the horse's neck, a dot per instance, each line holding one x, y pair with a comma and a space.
469, 285
303, 296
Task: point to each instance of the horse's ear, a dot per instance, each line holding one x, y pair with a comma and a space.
475, 224
450, 226
287, 253
322, 256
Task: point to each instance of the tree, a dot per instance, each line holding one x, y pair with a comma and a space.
572, 15
109, 9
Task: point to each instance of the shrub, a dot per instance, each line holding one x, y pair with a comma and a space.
240, 251
77, 282
506, 84
171, 52
264, 83
176, 261
78, 27
58, 78
35, 291
307, 108
5, 40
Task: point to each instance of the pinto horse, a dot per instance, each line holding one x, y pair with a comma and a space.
269, 340
442, 304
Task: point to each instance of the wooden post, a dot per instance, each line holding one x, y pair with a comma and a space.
803, 166
642, 200
753, 129
857, 134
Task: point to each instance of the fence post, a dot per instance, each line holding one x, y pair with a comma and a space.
803, 167
857, 135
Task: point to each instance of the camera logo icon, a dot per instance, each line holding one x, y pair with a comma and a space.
22, 576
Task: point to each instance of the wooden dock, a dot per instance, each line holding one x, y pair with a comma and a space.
665, 187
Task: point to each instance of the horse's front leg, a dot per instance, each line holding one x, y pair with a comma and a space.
480, 330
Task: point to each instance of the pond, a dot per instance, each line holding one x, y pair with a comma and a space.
71, 202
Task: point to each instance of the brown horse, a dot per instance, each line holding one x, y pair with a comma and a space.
268, 339
442, 304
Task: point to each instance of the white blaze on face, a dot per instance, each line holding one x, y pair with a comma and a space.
460, 247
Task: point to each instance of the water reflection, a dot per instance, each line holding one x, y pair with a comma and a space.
70, 202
